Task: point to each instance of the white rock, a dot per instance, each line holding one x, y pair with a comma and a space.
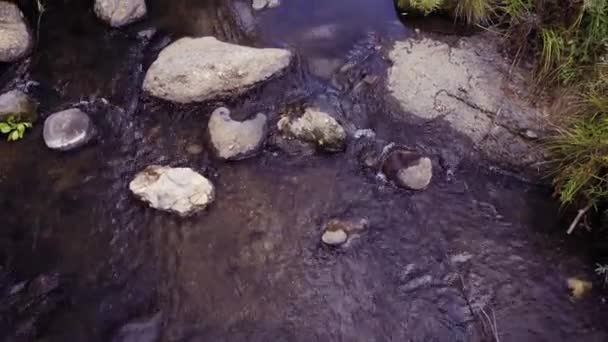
200, 69
261, 4
15, 37
67, 130
334, 238
234, 139
119, 13
417, 176
315, 127
178, 190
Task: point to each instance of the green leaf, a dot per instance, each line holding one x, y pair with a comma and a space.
13, 136
28, 124
5, 128
21, 129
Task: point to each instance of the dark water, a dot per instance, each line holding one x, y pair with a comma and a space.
252, 268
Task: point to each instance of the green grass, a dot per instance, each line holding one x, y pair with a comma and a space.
425, 7
475, 11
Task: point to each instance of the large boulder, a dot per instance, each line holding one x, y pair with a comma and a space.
177, 190
119, 13
235, 139
67, 130
478, 92
315, 127
15, 37
19, 107
199, 69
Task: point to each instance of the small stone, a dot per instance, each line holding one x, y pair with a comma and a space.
194, 149
315, 127
364, 133
119, 13
334, 238
530, 134
235, 139
182, 191
67, 130
261, 4
408, 169
16, 105
579, 287
15, 36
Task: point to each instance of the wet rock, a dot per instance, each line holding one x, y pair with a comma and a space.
194, 149
235, 139
315, 127
146, 330
579, 287
67, 130
338, 231
261, 4
364, 133
408, 169
474, 89
199, 69
177, 190
119, 13
17, 105
334, 237
15, 37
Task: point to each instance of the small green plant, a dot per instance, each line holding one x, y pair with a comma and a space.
14, 130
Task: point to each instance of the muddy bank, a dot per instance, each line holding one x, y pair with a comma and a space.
252, 266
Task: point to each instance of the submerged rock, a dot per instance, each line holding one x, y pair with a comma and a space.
261, 4
15, 37
315, 127
408, 169
17, 105
235, 139
338, 231
119, 13
177, 190
199, 69
144, 330
67, 130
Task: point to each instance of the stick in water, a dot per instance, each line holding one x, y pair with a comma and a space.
578, 217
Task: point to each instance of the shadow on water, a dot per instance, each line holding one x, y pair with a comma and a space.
252, 268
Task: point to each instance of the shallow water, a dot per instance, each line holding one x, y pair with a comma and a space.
252, 267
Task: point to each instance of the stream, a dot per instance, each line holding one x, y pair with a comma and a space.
80, 257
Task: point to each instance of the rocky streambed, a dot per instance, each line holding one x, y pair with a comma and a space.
278, 170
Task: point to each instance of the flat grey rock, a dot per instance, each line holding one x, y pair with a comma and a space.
17, 105
67, 130
200, 69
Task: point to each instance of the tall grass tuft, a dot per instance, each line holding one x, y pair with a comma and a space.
475, 12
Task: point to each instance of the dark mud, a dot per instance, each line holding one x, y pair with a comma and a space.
80, 257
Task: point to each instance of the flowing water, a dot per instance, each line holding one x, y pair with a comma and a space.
252, 267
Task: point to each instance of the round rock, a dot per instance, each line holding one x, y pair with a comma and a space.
15, 36
67, 130
119, 13
408, 169
235, 139
16, 105
334, 237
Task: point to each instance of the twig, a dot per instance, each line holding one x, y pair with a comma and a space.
578, 217
492, 324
